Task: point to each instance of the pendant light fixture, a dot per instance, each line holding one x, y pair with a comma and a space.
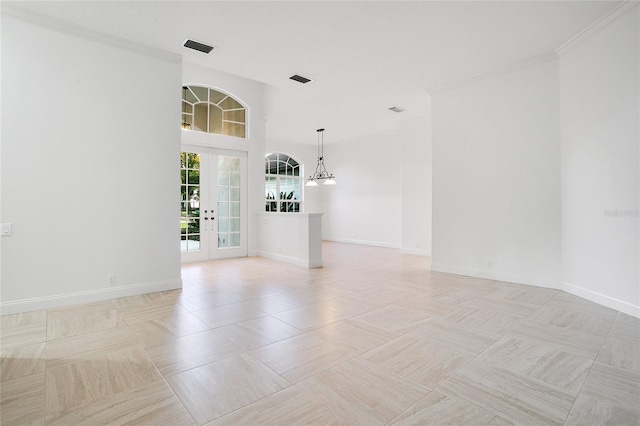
321, 171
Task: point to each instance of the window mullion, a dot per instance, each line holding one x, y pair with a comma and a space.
278, 194
277, 167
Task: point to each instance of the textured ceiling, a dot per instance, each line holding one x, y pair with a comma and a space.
364, 57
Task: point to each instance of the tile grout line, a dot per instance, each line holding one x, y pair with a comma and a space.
484, 408
164, 379
46, 346
595, 358
354, 355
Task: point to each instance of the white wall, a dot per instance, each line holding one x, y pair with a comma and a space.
365, 206
383, 196
415, 136
536, 169
291, 237
599, 93
251, 94
90, 142
496, 177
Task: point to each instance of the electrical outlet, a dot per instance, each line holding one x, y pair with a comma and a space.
6, 230
111, 280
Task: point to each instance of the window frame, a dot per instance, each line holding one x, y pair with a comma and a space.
277, 177
189, 100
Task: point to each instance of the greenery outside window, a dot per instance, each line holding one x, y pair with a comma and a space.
282, 184
190, 196
211, 111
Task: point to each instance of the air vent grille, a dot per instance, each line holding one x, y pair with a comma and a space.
300, 79
196, 45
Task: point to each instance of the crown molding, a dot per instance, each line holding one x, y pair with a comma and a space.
620, 10
503, 69
48, 22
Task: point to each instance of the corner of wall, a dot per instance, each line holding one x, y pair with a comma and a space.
602, 299
599, 73
621, 9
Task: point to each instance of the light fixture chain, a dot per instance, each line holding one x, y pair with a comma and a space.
321, 172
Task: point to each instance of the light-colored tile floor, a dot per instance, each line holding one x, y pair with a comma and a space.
373, 337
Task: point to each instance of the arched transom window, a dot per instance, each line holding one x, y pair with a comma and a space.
211, 111
282, 183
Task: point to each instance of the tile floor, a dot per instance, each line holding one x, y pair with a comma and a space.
374, 337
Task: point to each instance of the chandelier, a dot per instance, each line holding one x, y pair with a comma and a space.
321, 171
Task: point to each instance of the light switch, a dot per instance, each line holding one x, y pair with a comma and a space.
6, 230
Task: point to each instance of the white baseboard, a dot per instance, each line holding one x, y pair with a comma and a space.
290, 259
363, 242
493, 275
313, 264
418, 252
602, 299
59, 300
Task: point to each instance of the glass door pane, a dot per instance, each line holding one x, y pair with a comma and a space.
213, 219
190, 201
229, 192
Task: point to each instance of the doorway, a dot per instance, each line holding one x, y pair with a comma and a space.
213, 188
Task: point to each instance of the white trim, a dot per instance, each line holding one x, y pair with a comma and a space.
316, 264
599, 298
278, 177
602, 299
479, 273
48, 22
247, 111
363, 242
284, 214
418, 252
503, 69
90, 296
618, 11
290, 259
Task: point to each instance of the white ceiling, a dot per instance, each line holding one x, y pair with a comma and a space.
363, 56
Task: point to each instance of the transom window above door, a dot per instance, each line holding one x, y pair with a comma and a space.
211, 111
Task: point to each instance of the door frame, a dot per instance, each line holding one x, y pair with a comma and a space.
209, 249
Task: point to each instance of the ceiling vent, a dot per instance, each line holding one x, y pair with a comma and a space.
300, 79
396, 109
196, 45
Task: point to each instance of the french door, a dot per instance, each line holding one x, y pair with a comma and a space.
213, 222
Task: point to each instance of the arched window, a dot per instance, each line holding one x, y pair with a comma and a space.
282, 183
211, 111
